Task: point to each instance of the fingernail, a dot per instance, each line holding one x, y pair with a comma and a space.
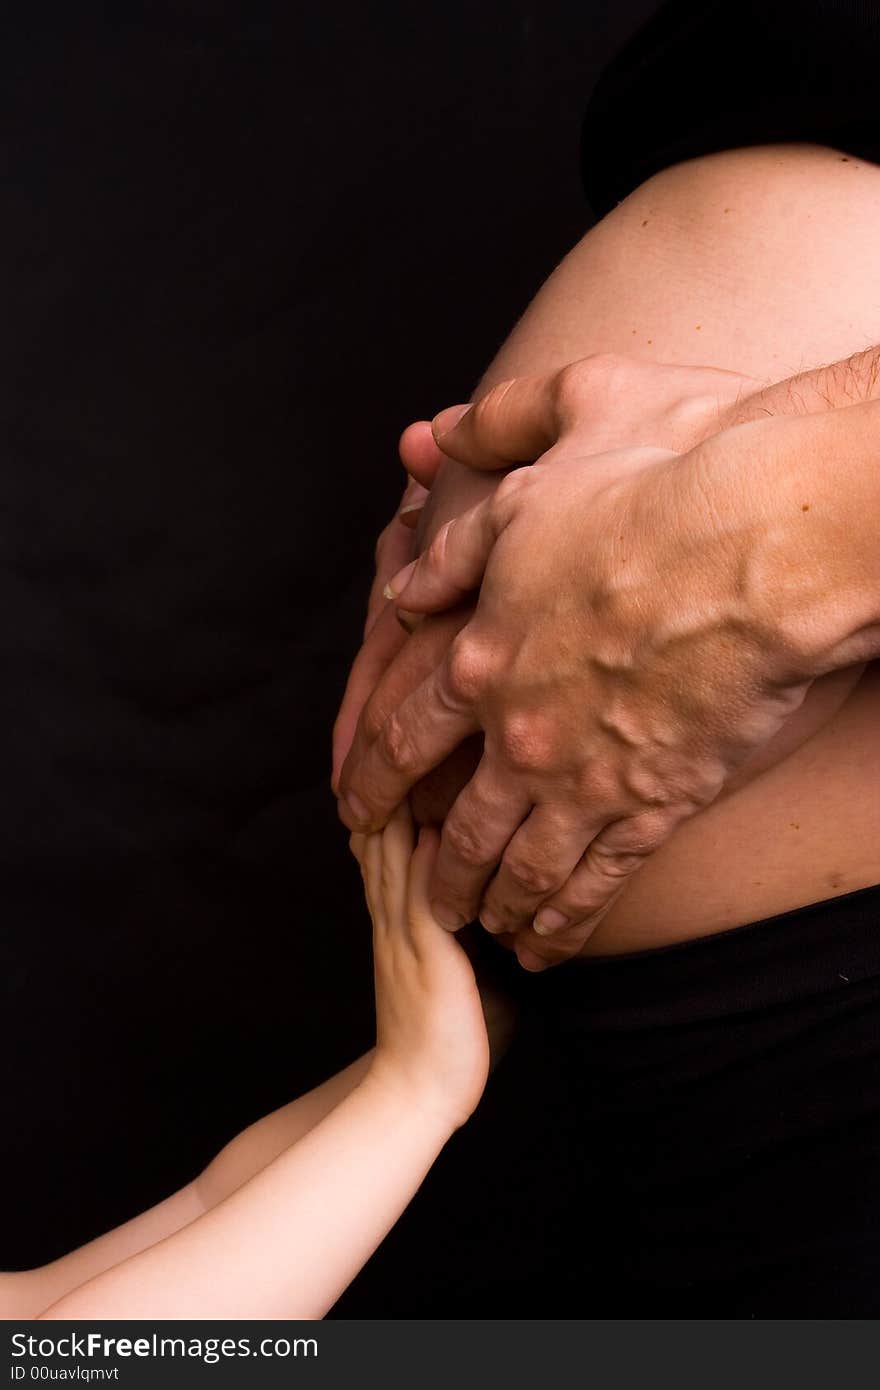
491, 922
414, 500
447, 916
549, 920
530, 960
356, 808
398, 582
408, 621
447, 420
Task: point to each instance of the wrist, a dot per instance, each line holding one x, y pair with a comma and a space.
414, 1098
812, 576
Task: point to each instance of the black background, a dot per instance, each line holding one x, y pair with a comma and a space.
242, 245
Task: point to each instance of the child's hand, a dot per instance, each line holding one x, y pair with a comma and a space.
431, 1037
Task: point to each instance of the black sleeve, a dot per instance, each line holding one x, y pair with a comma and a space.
709, 75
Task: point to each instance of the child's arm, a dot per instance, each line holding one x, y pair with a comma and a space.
25, 1295
288, 1241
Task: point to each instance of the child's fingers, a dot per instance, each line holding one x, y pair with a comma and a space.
420, 870
371, 868
400, 830
398, 840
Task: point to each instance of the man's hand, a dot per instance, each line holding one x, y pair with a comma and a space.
587, 405
628, 652
598, 403
609, 400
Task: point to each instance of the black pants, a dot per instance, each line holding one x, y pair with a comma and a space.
688, 1132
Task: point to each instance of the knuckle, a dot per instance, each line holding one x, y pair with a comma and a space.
610, 861
466, 671
610, 370
572, 385
372, 720
523, 744
587, 381
612, 866
530, 876
466, 843
396, 746
638, 837
511, 486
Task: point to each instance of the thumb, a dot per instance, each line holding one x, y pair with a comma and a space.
516, 422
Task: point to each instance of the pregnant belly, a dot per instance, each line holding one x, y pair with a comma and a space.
800, 823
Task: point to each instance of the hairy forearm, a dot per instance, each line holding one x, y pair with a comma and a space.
852, 381
300, 1229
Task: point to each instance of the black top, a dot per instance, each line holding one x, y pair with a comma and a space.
709, 75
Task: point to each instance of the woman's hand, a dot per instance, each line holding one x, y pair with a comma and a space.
431, 1038
383, 634
645, 622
